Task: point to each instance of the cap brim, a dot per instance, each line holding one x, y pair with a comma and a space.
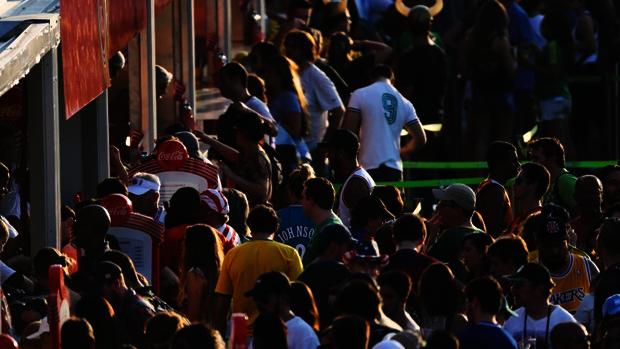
137, 189
250, 293
440, 194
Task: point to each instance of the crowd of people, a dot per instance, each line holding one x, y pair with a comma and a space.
292, 225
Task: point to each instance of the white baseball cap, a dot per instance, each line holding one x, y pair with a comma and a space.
139, 186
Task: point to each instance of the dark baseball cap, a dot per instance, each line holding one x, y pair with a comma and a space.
554, 223
273, 282
535, 273
344, 139
106, 271
337, 233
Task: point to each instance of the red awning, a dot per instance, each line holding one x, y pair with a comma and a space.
86, 45
84, 56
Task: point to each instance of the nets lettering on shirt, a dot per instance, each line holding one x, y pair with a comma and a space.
390, 107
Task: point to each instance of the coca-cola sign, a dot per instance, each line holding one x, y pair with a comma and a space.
119, 207
171, 155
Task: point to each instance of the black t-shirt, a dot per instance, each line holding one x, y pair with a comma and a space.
324, 278
424, 71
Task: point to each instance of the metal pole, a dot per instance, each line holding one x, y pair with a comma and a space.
151, 106
263, 18
44, 149
227, 30
103, 137
191, 56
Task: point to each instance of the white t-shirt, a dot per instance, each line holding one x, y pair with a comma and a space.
321, 96
536, 328
344, 212
300, 335
384, 113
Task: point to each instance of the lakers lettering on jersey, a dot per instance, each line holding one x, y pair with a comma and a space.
571, 287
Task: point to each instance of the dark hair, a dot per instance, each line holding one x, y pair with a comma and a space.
76, 333
536, 173
256, 86
111, 185
298, 177
409, 227
345, 141
252, 126
46, 257
488, 292
269, 332
440, 293
390, 196
531, 228
492, 21
121, 259
350, 331
609, 236
160, 329
263, 219
441, 339
66, 212
551, 148
184, 208
303, 42
264, 52
239, 210
358, 297
481, 241
100, 314
399, 282
235, 71
293, 5
197, 336
303, 304
509, 249
339, 47
203, 250
382, 71
499, 152
321, 191
606, 171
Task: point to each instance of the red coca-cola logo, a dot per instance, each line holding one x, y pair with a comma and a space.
171, 155
119, 207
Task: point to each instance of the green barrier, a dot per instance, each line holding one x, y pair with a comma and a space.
472, 165
428, 183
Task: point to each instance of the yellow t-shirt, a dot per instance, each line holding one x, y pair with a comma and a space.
245, 263
571, 287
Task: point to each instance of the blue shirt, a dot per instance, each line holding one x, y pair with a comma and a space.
486, 335
521, 31
296, 229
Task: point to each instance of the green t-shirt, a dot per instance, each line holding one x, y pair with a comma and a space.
562, 191
311, 253
448, 246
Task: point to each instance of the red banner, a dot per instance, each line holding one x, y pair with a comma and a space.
127, 19
84, 56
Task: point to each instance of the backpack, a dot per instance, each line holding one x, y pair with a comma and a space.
277, 175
